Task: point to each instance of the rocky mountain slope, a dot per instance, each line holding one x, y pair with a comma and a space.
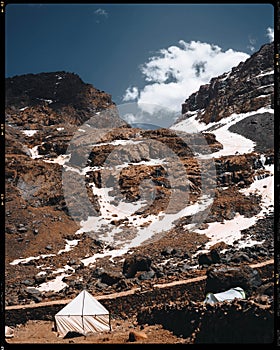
245, 88
93, 203
37, 100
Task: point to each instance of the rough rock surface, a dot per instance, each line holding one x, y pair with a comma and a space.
245, 88
45, 111
45, 99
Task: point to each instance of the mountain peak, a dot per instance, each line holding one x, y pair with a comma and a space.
247, 87
61, 97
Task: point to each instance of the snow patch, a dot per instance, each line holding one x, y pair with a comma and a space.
29, 133
266, 73
229, 231
61, 159
34, 152
26, 260
69, 246
113, 253
54, 285
232, 143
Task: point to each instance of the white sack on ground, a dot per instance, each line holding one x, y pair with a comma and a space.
230, 294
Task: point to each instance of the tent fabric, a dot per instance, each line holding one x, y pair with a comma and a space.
9, 332
230, 294
83, 304
84, 315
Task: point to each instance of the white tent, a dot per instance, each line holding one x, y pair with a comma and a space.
84, 315
9, 332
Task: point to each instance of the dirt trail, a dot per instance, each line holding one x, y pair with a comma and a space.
200, 278
128, 292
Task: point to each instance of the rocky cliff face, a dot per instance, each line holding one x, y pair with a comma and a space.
46, 99
245, 88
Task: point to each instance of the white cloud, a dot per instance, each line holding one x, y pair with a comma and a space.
178, 71
130, 118
131, 94
270, 34
101, 12
252, 43
134, 112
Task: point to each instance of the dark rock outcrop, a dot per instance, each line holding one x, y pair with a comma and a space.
245, 88
46, 99
134, 264
221, 278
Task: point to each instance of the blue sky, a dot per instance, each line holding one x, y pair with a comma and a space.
136, 52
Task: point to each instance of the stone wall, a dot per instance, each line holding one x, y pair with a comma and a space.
125, 306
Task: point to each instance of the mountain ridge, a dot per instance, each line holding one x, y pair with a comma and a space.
247, 87
53, 98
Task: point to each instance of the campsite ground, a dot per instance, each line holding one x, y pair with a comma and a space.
38, 332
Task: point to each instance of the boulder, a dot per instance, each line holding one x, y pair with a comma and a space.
136, 336
224, 277
134, 264
213, 257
